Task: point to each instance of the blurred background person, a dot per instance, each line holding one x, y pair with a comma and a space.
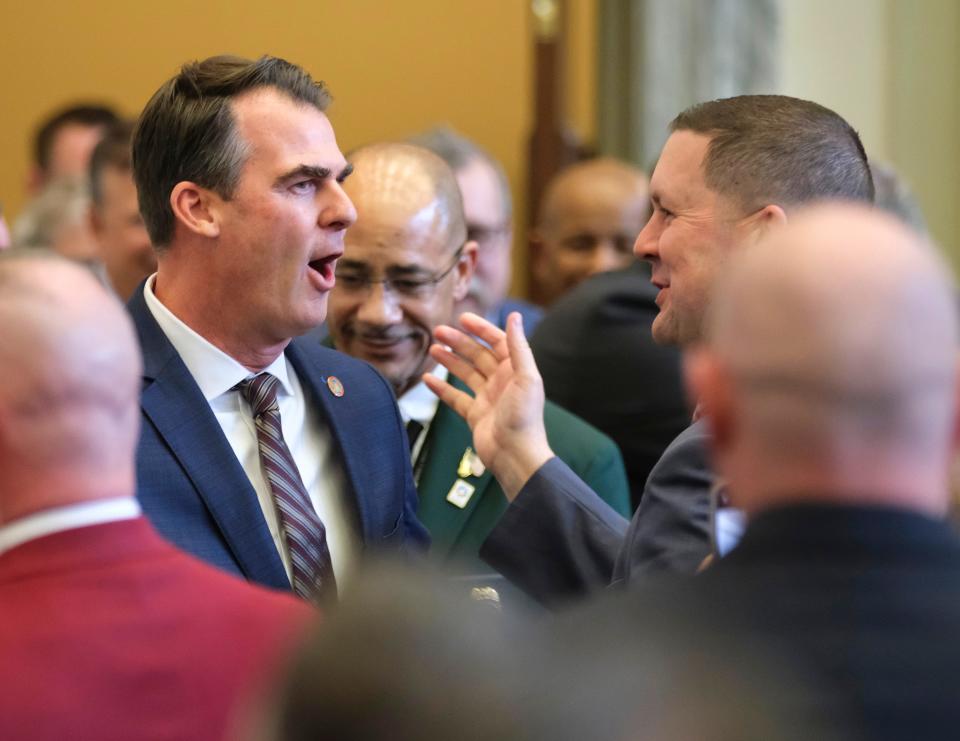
125, 252
64, 141
488, 207
59, 219
587, 221
5, 240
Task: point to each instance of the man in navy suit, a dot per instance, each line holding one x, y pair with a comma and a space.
283, 478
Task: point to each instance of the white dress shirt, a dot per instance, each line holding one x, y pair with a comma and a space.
310, 444
420, 404
58, 519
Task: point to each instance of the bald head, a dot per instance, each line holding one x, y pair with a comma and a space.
587, 223
406, 261
409, 183
834, 343
68, 403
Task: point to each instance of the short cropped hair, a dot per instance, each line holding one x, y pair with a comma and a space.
776, 149
74, 115
458, 151
113, 150
187, 130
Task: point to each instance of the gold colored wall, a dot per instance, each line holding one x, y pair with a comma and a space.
395, 66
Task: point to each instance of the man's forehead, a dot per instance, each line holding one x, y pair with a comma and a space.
268, 119
681, 165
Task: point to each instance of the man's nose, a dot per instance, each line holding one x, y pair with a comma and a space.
646, 246
380, 307
338, 212
606, 257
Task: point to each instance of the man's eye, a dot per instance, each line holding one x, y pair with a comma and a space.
581, 243
409, 287
303, 186
347, 280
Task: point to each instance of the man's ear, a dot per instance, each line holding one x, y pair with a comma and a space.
710, 388
196, 208
94, 220
535, 252
761, 222
465, 267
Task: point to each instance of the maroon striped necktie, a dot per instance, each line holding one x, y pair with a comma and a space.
303, 532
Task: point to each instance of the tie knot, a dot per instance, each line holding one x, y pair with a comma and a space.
261, 393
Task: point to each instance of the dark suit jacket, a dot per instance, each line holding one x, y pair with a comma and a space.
864, 602
194, 490
598, 360
458, 533
109, 633
558, 540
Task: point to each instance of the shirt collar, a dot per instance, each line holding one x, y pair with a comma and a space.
215, 372
72, 516
420, 403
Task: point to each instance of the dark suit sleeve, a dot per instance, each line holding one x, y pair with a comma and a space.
671, 530
558, 540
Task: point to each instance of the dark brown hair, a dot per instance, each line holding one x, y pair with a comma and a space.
776, 149
187, 130
74, 115
113, 150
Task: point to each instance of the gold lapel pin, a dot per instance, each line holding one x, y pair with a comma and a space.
470, 465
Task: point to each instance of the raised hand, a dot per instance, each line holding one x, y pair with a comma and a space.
505, 413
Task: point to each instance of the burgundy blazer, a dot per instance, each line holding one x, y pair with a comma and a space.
108, 632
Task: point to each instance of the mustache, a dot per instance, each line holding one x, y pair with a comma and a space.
379, 334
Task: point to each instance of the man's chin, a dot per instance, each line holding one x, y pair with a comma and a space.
664, 329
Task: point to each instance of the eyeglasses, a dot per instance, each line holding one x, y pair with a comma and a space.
356, 281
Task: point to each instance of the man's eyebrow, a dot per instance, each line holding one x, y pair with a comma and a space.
351, 264
346, 172
304, 171
316, 172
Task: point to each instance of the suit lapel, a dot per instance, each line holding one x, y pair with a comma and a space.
173, 403
336, 413
449, 437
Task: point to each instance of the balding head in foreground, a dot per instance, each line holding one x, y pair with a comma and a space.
830, 368
406, 261
69, 412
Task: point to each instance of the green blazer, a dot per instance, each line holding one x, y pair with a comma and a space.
457, 534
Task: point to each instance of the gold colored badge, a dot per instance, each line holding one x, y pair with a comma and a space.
470, 465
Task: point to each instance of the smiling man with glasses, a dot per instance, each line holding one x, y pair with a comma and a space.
407, 262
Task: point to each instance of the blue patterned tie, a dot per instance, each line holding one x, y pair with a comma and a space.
303, 532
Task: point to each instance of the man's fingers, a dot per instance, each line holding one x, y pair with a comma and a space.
459, 367
521, 357
457, 400
468, 348
489, 333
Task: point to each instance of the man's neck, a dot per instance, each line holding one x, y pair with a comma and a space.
200, 311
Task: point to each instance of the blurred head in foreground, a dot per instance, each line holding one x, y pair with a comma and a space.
830, 368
